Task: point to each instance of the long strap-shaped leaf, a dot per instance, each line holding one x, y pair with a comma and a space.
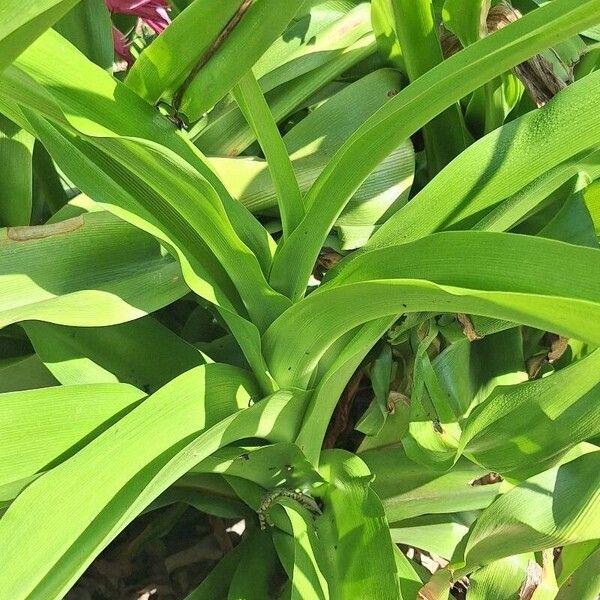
144, 353
354, 525
187, 420
409, 489
164, 64
528, 427
330, 387
123, 192
555, 508
311, 143
16, 158
39, 426
256, 110
412, 108
159, 192
137, 199
95, 104
302, 555
236, 35
470, 272
414, 24
96, 134
22, 22
539, 145
227, 133
92, 270
101, 169
580, 170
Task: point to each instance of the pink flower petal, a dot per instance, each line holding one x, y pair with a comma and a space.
153, 12
121, 47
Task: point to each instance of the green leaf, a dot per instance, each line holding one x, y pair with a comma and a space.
311, 143
591, 196
88, 27
40, 428
529, 426
439, 585
584, 582
332, 383
253, 27
290, 76
201, 272
164, 64
276, 465
440, 534
592, 32
117, 164
469, 371
216, 583
302, 554
489, 105
48, 191
433, 430
143, 353
22, 22
25, 374
407, 489
501, 165
466, 19
256, 111
572, 557
319, 32
230, 136
91, 104
444, 136
408, 578
552, 291
128, 473
16, 151
572, 223
352, 527
568, 177
382, 17
555, 508
501, 579
88, 271
375, 416
127, 186
412, 108
214, 259
253, 577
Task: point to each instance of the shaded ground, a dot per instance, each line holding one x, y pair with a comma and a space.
161, 556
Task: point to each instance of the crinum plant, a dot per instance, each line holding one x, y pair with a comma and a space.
301, 264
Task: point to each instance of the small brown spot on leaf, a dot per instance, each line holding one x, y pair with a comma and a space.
468, 328
533, 579
556, 345
489, 479
393, 399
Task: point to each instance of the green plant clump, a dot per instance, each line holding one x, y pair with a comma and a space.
327, 269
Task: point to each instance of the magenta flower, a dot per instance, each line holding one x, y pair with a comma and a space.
121, 47
152, 12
